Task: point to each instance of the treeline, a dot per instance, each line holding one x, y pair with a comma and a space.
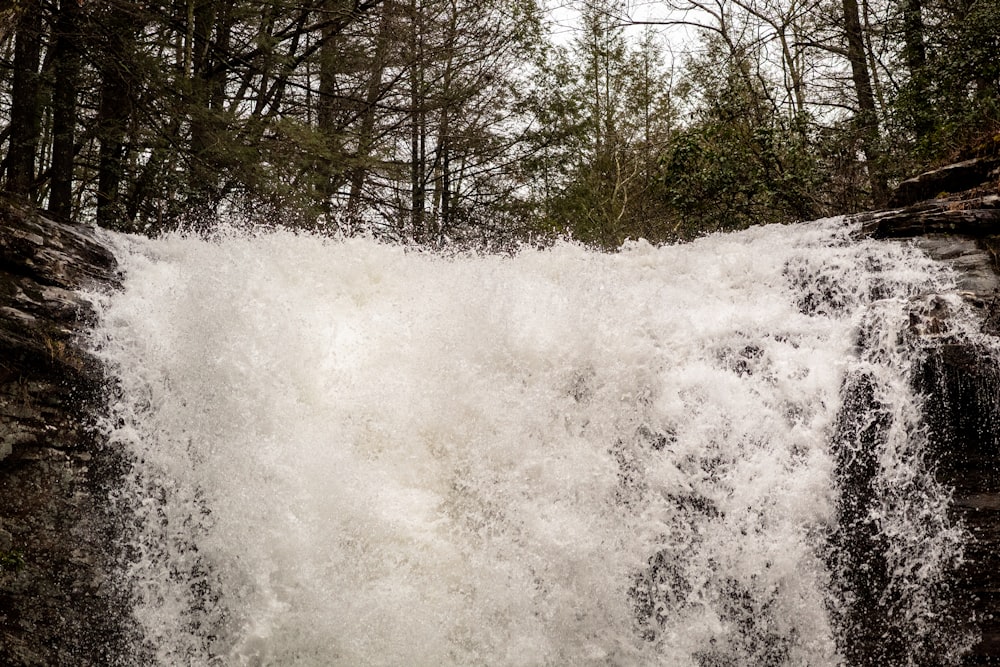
454, 121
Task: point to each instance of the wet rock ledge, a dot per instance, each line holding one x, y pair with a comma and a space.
58, 605
960, 225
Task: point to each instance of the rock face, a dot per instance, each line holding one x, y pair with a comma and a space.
972, 216
964, 423
961, 376
957, 177
57, 601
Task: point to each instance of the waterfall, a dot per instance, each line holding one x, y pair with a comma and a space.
349, 453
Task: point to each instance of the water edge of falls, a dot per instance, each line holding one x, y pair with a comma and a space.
708, 454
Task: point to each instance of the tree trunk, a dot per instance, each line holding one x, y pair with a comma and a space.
25, 110
418, 123
112, 119
867, 117
67, 69
366, 133
211, 35
442, 152
116, 52
330, 61
915, 55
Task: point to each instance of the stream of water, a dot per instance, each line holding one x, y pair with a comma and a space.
349, 453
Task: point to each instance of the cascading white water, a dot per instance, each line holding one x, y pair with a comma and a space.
347, 453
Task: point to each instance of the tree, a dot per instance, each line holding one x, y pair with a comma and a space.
25, 110
602, 113
867, 114
738, 163
117, 56
951, 94
444, 121
448, 158
66, 54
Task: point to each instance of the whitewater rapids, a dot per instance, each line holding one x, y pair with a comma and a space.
349, 453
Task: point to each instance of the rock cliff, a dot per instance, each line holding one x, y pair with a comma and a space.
58, 606
960, 225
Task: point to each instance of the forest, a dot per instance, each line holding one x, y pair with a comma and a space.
485, 123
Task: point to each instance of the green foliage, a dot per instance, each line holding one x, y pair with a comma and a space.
448, 121
738, 163
724, 176
11, 561
954, 99
601, 111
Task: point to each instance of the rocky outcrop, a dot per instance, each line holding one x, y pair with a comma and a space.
58, 603
960, 375
962, 379
976, 216
952, 178
961, 229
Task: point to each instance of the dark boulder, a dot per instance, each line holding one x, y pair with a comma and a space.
945, 180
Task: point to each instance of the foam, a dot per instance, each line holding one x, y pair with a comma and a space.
349, 453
